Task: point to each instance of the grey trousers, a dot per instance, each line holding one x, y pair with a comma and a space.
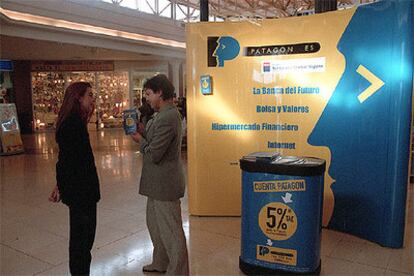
166, 230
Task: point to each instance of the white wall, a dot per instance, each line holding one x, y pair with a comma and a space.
98, 14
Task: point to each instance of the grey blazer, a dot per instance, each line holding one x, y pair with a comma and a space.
162, 176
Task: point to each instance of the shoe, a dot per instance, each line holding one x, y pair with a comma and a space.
150, 268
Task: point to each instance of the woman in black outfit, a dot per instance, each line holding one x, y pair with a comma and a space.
77, 179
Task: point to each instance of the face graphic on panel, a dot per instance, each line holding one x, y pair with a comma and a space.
355, 124
221, 49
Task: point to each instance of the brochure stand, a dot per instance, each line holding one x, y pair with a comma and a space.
10, 139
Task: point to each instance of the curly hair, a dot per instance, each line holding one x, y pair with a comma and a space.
160, 84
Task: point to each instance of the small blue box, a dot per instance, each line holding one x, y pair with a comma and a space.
130, 117
205, 85
6, 65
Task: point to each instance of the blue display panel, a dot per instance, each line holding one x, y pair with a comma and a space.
367, 121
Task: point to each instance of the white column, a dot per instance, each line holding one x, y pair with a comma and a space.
175, 67
184, 79
131, 88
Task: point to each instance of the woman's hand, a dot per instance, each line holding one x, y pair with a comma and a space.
140, 128
55, 195
91, 110
136, 137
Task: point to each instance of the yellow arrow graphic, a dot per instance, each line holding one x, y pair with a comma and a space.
376, 83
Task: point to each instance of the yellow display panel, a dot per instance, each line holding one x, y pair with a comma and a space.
267, 97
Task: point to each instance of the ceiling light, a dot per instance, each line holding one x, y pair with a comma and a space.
59, 23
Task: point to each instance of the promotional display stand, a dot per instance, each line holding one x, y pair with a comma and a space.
10, 139
282, 199
341, 93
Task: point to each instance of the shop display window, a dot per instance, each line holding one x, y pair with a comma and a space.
138, 80
47, 96
113, 97
48, 88
6, 88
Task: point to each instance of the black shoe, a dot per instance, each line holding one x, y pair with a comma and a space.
150, 268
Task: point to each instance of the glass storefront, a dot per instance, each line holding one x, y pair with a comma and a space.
138, 80
112, 96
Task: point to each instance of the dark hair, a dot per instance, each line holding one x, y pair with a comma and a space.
160, 84
71, 104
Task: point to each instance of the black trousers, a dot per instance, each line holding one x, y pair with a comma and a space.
82, 235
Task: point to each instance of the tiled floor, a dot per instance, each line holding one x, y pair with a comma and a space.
34, 232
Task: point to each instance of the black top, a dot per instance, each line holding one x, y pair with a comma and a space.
285, 165
75, 170
146, 112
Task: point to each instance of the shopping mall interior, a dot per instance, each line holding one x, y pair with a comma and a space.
117, 45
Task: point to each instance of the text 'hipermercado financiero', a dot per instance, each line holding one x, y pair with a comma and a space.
254, 127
